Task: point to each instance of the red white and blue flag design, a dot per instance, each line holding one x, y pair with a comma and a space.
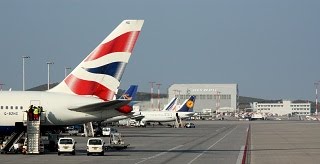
99, 74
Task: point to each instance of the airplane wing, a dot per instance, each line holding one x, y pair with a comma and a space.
137, 117
101, 106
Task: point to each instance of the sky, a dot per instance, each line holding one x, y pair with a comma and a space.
270, 48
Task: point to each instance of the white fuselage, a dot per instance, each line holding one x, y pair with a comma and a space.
14, 104
163, 116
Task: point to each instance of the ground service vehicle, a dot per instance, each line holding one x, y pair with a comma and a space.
66, 145
189, 125
107, 131
95, 146
117, 142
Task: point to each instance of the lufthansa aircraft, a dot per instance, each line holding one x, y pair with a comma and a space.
87, 93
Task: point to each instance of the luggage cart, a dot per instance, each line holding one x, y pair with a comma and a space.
116, 142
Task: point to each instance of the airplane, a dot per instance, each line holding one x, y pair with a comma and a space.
87, 93
185, 111
169, 107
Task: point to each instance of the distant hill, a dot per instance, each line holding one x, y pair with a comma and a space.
43, 87
141, 96
243, 99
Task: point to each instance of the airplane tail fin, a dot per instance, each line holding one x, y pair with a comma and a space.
188, 104
171, 105
99, 74
130, 93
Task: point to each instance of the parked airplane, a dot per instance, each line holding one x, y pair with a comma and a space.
169, 107
87, 93
185, 111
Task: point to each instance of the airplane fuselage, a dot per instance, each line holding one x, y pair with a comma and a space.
14, 104
163, 116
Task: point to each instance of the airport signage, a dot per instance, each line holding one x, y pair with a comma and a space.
204, 90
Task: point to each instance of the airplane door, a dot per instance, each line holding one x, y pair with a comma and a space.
25, 114
42, 115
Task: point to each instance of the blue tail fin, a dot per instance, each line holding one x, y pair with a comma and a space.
130, 94
187, 105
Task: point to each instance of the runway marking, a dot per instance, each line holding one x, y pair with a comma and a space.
220, 129
240, 156
157, 155
212, 145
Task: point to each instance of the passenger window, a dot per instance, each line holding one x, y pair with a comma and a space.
7, 107
11, 107
16, 107
21, 107
1, 107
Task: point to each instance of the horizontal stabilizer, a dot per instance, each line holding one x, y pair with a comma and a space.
138, 117
101, 106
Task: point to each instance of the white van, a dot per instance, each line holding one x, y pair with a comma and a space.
106, 131
95, 146
66, 145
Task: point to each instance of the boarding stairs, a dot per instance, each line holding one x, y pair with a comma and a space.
33, 136
88, 129
178, 122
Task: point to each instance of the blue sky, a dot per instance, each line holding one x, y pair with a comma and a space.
270, 48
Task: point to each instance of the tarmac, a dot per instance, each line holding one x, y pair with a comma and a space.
292, 142
210, 142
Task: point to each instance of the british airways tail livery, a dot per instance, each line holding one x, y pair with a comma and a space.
87, 93
99, 74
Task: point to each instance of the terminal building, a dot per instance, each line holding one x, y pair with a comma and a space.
282, 108
209, 97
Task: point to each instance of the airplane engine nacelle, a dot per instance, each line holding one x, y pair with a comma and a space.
125, 109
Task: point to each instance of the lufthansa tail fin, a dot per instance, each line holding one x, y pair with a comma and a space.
188, 104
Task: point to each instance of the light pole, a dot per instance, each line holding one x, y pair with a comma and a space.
175, 94
179, 91
65, 71
217, 101
316, 84
151, 94
23, 61
49, 63
158, 95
